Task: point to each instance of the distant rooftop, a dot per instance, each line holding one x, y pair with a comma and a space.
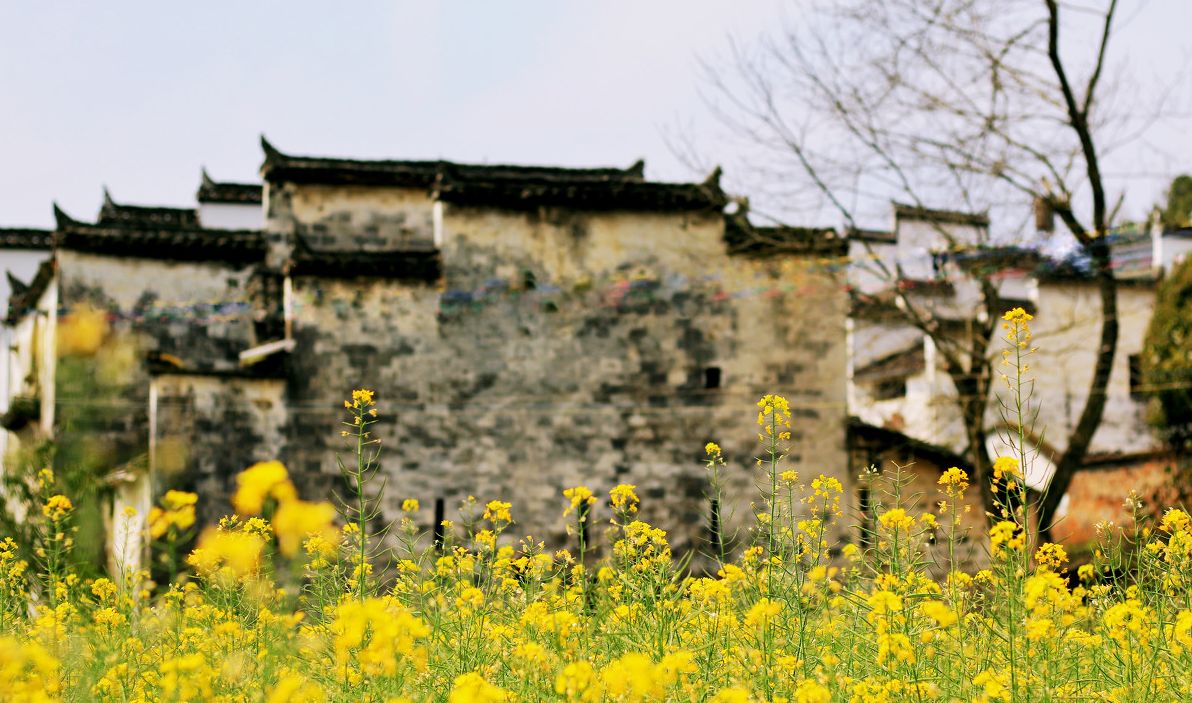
504, 186
743, 237
113, 214
947, 217
212, 191
25, 238
873, 236
157, 236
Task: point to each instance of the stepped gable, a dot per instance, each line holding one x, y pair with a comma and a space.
154, 238
113, 214
502, 186
26, 238
903, 211
223, 192
412, 265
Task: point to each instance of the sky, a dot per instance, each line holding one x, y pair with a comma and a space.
138, 96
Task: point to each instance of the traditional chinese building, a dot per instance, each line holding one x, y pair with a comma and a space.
526, 329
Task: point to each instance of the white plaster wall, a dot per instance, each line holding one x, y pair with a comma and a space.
1173, 250
1066, 331
918, 239
23, 264
30, 345
232, 216
865, 259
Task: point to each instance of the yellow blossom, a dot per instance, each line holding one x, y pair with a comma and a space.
57, 507
260, 482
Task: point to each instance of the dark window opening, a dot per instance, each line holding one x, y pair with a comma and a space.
889, 390
1137, 384
712, 377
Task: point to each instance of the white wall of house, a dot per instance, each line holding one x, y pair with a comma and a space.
866, 258
232, 215
919, 239
29, 360
1066, 332
1172, 249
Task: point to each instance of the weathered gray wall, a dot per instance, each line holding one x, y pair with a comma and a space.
199, 314
563, 349
208, 429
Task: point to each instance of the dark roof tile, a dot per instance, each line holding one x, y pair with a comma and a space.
505, 186
22, 238
873, 236
743, 237
113, 214
148, 240
211, 191
424, 266
948, 217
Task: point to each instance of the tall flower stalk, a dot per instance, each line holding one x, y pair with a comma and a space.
362, 414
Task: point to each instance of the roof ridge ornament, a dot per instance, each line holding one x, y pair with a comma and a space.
205, 178
15, 284
271, 152
61, 219
637, 169
713, 179
107, 197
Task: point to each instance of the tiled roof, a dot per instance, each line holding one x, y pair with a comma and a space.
22, 238
873, 236
927, 286
112, 213
504, 186
211, 191
743, 237
948, 217
154, 240
1078, 270
991, 259
899, 364
862, 435
408, 265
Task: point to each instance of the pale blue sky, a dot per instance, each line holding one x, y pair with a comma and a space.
139, 95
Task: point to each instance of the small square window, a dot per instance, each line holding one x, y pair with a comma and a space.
889, 390
712, 377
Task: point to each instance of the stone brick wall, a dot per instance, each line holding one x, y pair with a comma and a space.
556, 348
565, 348
208, 429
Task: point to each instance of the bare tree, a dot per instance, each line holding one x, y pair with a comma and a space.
977, 105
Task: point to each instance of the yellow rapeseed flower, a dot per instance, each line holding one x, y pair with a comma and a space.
472, 688
260, 482
1007, 467
296, 520
57, 507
